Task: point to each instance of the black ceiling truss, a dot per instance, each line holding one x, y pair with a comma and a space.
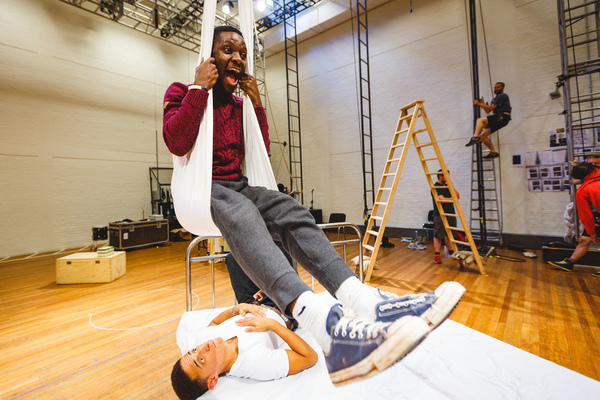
179, 21
289, 9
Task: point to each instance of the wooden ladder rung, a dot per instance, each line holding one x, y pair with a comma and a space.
385, 188
401, 131
425, 145
446, 201
398, 145
454, 228
377, 218
374, 233
450, 215
370, 248
430, 159
460, 242
380, 203
409, 116
420, 130
391, 160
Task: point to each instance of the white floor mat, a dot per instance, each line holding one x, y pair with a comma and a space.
453, 362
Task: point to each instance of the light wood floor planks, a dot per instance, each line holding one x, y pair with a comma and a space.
117, 340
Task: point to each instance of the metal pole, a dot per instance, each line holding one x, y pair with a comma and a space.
476, 115
566, 95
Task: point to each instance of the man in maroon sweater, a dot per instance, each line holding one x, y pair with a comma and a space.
251, 217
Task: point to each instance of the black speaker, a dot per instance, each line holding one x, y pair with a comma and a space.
100, 233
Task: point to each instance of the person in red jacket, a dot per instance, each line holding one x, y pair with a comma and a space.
588, 201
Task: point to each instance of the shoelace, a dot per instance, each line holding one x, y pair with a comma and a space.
360, 326
387, 295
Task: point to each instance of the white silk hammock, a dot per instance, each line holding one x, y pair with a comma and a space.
192, 173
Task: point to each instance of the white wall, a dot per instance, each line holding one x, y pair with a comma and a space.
81, 104
426, 55
82, 96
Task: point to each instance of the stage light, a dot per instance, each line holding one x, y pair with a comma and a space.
227, 7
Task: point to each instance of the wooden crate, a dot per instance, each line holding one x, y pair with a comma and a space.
89, 268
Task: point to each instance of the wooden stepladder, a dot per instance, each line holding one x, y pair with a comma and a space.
411, 124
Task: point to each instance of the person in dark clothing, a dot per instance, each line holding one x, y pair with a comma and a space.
245, 290
439, 231
485, 126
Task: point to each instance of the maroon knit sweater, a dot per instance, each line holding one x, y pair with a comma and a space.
183, 111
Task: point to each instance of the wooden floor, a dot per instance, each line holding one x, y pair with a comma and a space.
117, 340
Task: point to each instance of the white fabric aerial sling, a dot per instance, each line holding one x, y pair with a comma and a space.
192, 173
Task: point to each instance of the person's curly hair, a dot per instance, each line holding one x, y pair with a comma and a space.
185, 387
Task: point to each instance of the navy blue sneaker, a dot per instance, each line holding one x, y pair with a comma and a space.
433, 307
361, 348
474, 140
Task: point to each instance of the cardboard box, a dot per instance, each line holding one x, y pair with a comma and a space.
89, 268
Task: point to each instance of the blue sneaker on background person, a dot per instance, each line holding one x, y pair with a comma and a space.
433, 307
361, 348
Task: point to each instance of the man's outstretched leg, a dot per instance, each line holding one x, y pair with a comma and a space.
488, 143
479, 125
582, 248
382, 328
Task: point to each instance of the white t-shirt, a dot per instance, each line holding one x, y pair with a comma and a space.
261, 355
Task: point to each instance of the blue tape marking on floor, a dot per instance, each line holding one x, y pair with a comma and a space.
91, 366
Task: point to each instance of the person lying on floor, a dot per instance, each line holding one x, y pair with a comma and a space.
241, 342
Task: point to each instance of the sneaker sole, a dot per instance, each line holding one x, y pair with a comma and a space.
560, 266
449, 295
408, 332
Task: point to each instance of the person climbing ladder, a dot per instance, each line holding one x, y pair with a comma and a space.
485, 126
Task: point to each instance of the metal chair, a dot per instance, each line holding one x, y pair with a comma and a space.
189, 259
336, 218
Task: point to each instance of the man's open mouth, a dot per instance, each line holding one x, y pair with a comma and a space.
232, 76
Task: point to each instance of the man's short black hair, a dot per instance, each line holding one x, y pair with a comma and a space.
500, 83
582, 170
440, 175
225, 28
185, 387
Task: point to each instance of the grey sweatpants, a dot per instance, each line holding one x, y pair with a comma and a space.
250, 218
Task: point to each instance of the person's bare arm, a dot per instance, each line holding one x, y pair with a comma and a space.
240, 309
488, 108
300, 357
